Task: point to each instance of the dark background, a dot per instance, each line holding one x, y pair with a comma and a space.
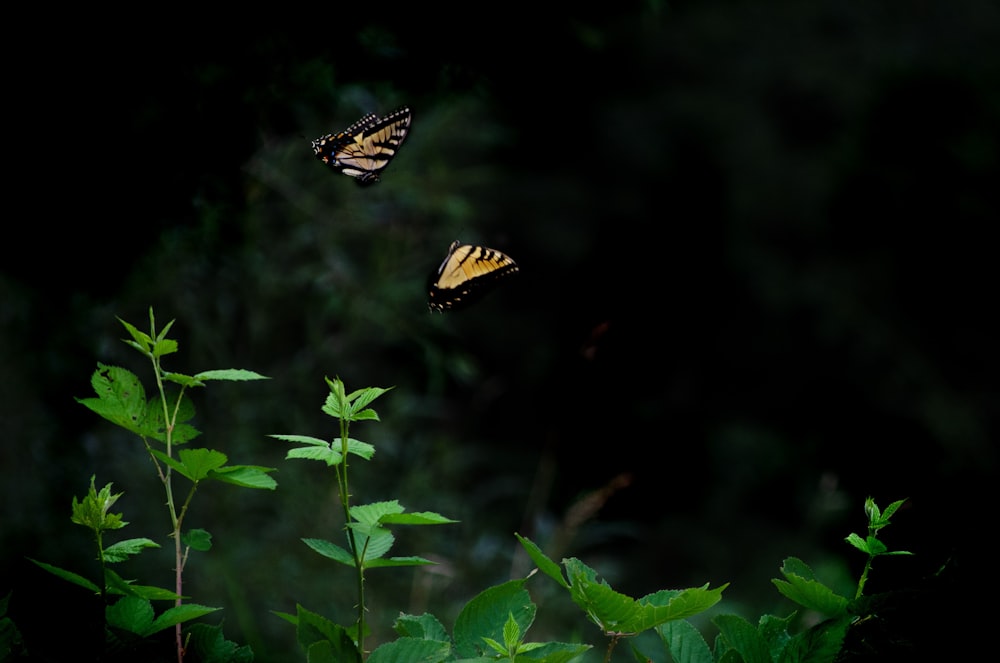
757, 285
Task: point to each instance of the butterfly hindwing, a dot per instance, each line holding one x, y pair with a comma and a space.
467, 273
365, 148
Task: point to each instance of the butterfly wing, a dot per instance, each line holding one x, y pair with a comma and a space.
364, 149
467, 273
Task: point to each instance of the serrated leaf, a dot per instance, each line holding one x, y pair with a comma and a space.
315, 632
361, 398
822, 642
511, 634
544, 564
324, 453
331, 550
740, 635
182, 379
684, 642
199, 462
301, 439
198, 539
670, 605
163, 347
230, 374
92, 511
411, 650
486, 614
891, 509
812, 594
416, 518
121, 398
207, 643
425, 626
374, 542
132, 614
856, 541
372, 514
178, 615
194, 464
386, 562
69, 576
118, 585
552, 652
496, 646
247, 476
119, 552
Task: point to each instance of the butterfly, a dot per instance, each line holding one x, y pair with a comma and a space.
467, 273
365, 148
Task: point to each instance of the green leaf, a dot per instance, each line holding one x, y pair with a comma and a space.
331, 550
804, 590
511, 634
166, 346
544, 564
385, 562
336, 642
140, 340
412, 650
198, 539
875, 547
891, 509
302, 439
324, 453
374, 542
247, 476
858, 542
822, 642
200, 462
194, 464
178, 615
118, 585
740, 635
207, 643
182, 379
684, 642
416, 518
74, 578
361, 398
328, 452
372, 514
121, 398
92, 510
230, 374
350, 407
487, 613
131, 614
119, 552
425, 626
551, 652
669, 605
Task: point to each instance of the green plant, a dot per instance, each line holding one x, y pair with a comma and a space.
161, 422
491, 626
774, 639
368, 535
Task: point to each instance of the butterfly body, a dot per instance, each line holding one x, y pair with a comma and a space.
365, 148
467, 273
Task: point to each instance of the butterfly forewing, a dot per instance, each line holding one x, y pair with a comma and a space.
365, 148
466, 275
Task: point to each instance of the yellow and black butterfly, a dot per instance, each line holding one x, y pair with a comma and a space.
366, 147
467, 273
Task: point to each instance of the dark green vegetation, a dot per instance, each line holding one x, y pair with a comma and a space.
776, 213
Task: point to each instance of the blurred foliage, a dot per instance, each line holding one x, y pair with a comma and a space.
753, 271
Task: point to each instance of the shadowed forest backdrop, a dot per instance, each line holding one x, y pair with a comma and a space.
755, 288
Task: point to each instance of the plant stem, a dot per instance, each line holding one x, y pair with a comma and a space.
345, 498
